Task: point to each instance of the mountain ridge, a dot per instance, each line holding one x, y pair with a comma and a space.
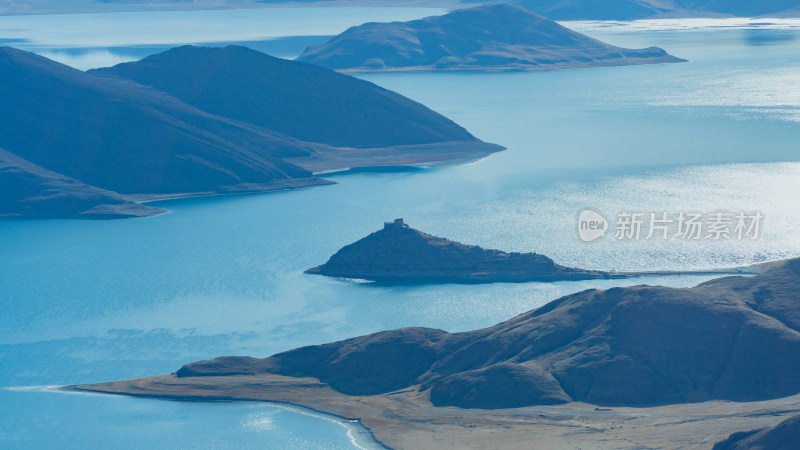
121, 137
733, 338
595, 369
282, 102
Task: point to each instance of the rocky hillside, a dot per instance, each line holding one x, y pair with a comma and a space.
734, 338
29, 191
299, 100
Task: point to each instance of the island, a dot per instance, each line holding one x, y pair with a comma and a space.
198, 121
401, 254
490, 37
630, 367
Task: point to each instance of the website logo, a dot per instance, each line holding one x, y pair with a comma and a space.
591, 225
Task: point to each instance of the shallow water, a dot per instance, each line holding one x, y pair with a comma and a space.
87, 301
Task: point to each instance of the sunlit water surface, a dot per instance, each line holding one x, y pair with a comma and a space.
87, 301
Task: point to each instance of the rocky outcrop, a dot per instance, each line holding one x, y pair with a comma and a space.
734, 338
400, 254
492, 37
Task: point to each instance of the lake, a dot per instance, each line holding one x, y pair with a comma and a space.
90, 301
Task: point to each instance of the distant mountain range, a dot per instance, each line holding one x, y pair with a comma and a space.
401, 254
497, 37
554, 9
195, 121
640, 9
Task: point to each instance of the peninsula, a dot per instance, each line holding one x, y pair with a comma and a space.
491, 37
401, 254
612, 368
197, 121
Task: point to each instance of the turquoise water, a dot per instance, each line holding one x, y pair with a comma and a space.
88, 301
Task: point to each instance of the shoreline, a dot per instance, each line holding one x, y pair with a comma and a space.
416, 412
431, 155
334, 161
512, 68
752, 269
354, 427
290, 185
406, 418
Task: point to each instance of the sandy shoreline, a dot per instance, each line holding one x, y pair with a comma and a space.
283, 185
407, 419
439, 154
359, 435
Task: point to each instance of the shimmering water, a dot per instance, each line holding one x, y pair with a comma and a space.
93, 301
